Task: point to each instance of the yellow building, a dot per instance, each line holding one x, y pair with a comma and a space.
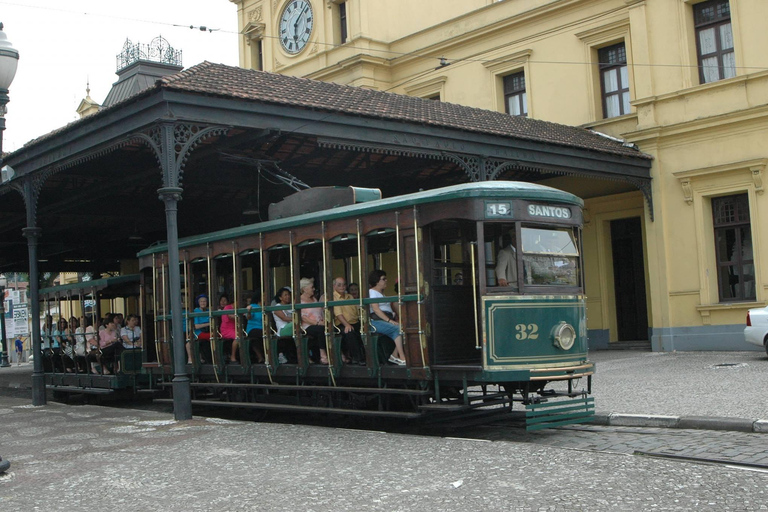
684, 80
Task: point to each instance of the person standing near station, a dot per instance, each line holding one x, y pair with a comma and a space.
19, 350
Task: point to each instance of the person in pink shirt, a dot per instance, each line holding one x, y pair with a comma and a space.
227, 328
110, 343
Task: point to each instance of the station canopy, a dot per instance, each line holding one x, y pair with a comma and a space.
242, 139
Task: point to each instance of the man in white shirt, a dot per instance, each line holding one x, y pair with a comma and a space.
506, 263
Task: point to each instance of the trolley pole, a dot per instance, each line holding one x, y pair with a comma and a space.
6, 350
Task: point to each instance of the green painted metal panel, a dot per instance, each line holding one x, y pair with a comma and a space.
86, 286
488, 189
519, 331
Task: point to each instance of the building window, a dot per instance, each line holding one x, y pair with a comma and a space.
343, 22
259, 55
733, 248
434, 97
714, 40
514, 94
614, 80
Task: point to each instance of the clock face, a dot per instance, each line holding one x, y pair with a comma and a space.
296, 24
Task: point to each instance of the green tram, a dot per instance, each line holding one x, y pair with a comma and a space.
72, 314
487, 278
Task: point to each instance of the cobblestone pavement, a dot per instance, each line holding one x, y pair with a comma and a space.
738, 448
72, 458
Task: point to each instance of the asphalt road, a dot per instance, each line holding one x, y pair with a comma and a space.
97, 458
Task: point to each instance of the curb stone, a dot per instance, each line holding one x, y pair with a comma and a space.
681, 422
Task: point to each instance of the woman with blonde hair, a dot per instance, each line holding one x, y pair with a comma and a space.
313, 319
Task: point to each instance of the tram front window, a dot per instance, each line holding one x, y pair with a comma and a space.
500, 254
550, 257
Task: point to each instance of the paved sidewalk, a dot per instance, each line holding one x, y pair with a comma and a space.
714, 390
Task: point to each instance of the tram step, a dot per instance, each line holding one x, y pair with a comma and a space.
75, 389
288, 407
444, 407
457, 367
558, 413
293, 387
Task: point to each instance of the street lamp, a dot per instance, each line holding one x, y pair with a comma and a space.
9, 60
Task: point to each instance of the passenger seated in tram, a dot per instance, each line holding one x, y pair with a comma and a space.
131, 333
506, 262
347, 318
284, 327
354, 290
119, 320
254, 328
110, 344
313, 321
202, 325
61, 342
80, 346
92, 345
227, 328
63, 336
383, 317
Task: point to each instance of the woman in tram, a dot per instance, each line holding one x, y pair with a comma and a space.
284, 327
110, 343
313, 319
80, 346
61, 344
383, 317
227, 328
202, 325
283, 318
255, 328
131, 333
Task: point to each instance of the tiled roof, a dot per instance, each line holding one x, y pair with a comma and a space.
233, 82
260, 86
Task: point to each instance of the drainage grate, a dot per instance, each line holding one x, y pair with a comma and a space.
728, 365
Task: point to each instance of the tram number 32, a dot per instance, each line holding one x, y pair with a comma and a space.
527, 332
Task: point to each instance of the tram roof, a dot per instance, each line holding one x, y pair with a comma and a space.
118, 283
488, 189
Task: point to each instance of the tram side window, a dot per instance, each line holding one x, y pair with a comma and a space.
500, 254
250, 272
450, 241
344, 258
311, 264
225, 284
279, 271
550, 257
382, 254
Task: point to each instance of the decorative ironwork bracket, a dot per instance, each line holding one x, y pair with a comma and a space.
172, 143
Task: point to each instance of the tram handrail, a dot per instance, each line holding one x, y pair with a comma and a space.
299, 306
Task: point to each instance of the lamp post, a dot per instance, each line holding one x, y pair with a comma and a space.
6, 351
9, 60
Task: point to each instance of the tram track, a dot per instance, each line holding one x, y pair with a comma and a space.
704, 460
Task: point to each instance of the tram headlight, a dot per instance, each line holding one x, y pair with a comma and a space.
564, 335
